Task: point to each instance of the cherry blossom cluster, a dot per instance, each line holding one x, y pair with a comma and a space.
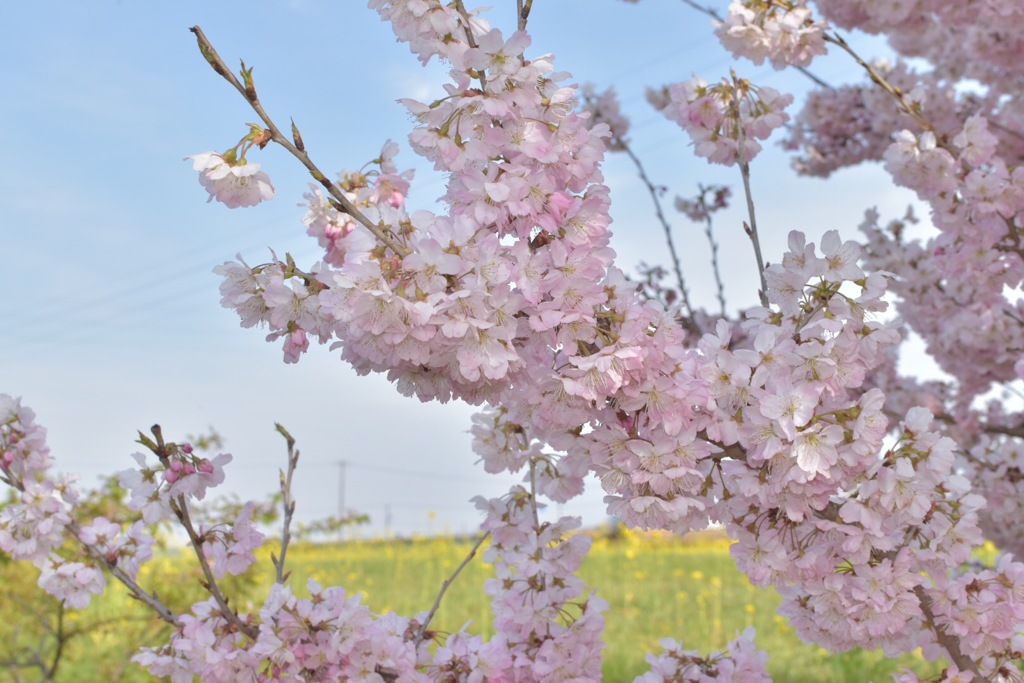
781, 442
230, 178
36, 526
543, 613
459, 296
327, 636
605, 108
958, 149
784, 33
778, 440
978, 41
708, 201
843, 126
959, 291
741, 662
178, 474
724, 120
859, 496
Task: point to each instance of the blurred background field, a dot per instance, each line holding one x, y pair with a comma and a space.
657, 586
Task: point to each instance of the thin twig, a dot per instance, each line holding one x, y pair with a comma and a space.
720, 289
533, 495
709, 233
523, 12
481, 75
340, 201
444, 588
750, 228
286, 503
677, 266
62, 638
461, 9
910, 109
180, 508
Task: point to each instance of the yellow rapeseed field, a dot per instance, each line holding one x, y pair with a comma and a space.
656, 585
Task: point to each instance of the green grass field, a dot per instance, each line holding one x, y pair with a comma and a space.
656, 587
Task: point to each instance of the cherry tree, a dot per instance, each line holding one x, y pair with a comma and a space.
857, 493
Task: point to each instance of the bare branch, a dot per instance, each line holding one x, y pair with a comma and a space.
62, 637
667, 228
287, 503
719, 287
444, 588
523, 12
751, 228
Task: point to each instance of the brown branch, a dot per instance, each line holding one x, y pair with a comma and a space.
286, 503
1016, 432
461, 9
751, 228
248, 91
62, 638
470, 40
422, 631
180, 508
909, 109
523, 12
950, 643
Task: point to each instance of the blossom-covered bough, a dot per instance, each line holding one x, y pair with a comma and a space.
789, 427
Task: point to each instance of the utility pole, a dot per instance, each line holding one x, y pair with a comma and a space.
342, 464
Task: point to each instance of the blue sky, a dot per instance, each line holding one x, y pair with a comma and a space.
107, 245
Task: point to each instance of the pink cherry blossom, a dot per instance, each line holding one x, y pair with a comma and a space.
233, 184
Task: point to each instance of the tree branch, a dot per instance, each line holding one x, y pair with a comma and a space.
422, 631
180, 507
908, 108
287, 504
248, 91
667, 228
750, 228
949, 643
